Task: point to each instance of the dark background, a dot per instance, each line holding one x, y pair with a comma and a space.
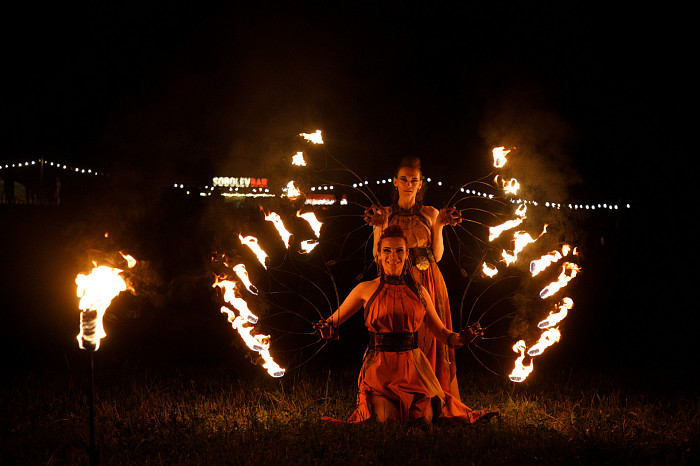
594, 98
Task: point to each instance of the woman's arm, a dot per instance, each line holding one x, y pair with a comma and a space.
435, 324
355, 300
436, 241
440, 218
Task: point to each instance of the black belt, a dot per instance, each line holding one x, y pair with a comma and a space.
421, 257
393, 342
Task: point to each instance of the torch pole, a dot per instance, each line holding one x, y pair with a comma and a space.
94, 455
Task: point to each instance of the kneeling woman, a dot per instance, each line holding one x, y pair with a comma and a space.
396, 381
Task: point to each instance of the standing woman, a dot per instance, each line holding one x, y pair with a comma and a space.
423, 227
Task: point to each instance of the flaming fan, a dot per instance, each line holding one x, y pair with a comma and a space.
235, 282
520, 243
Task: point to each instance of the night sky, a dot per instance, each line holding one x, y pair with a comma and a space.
185, 91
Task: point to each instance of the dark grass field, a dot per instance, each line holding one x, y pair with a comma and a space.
173, 384
197, 415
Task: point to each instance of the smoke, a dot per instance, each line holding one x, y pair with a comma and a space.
520, 118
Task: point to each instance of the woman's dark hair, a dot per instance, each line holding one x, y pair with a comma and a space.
412, 162
392, 231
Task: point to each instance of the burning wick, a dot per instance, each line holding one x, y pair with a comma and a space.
243, 275
314, 137
495, 232
298, 159
509, 186
520, 372
499, 156
292, 192
279, 225
313, 222
233, 298
252, 243
555, 317
547, 339
489, 270
96, 292
308, 245
242, 324
562, 281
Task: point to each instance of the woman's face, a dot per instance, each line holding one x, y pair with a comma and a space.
392, 254
408, 182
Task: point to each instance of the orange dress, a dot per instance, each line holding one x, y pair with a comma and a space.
426, 272
405, 377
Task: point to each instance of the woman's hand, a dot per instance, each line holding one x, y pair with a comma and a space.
450, 216
471, 333
374, 216
326, 330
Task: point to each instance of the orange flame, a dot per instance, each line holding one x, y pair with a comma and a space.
242, 323
252, 243
555, 317
520, 371
313, 222
547, 339
308, 245
509, 186
96, 292
569, 271
489, 270
495, 231
243, 275
499, 156
315, 137
232, 297
279, 225
298, 159
259, 343
293, 192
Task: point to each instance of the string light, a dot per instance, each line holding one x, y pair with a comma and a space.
83, 171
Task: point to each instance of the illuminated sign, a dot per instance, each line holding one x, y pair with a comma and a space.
324, 199
239, 182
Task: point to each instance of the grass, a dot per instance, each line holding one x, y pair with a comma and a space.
206, 416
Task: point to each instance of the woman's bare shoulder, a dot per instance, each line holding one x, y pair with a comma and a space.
365, 289
429, 212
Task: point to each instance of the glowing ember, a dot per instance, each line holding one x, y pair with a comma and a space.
243, 275
252, 243
520, 372
315, 225
314, 137
547, 339
489, 270
499, 156
292, 192
569, 271
298, 159
555, 317
279, 225
96, 292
